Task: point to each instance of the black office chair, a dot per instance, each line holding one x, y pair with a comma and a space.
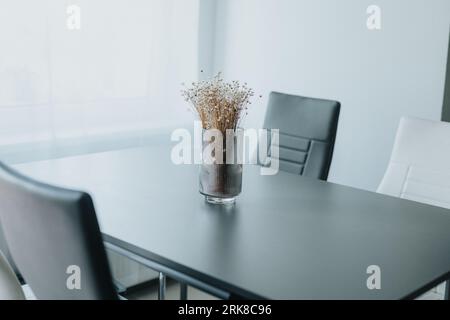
54, 238
307, 133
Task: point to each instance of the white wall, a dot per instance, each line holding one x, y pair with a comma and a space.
121, 71
322, 48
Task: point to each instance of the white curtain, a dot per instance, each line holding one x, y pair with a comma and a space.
121, 70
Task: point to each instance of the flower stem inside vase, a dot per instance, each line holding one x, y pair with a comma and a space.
220, 176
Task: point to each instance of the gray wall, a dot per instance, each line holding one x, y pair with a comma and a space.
322, 48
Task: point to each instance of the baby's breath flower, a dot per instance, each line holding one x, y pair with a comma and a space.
219, 105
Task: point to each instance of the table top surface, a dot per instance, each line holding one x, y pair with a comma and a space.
287, 237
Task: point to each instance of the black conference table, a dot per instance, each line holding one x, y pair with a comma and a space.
287, 237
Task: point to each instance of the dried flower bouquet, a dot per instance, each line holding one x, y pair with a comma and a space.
219, 105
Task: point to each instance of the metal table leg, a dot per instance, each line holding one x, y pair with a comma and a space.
447, 290
183, 291
162, 286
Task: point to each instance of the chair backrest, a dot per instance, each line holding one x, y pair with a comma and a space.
54, 238
10, 288
419, 168
307, 132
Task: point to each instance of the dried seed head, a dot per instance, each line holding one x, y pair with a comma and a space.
219, 105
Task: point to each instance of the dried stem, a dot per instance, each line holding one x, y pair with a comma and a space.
219, 105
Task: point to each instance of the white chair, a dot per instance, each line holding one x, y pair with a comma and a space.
10, 288
419, 169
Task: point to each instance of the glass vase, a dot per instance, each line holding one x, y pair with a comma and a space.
221, 169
